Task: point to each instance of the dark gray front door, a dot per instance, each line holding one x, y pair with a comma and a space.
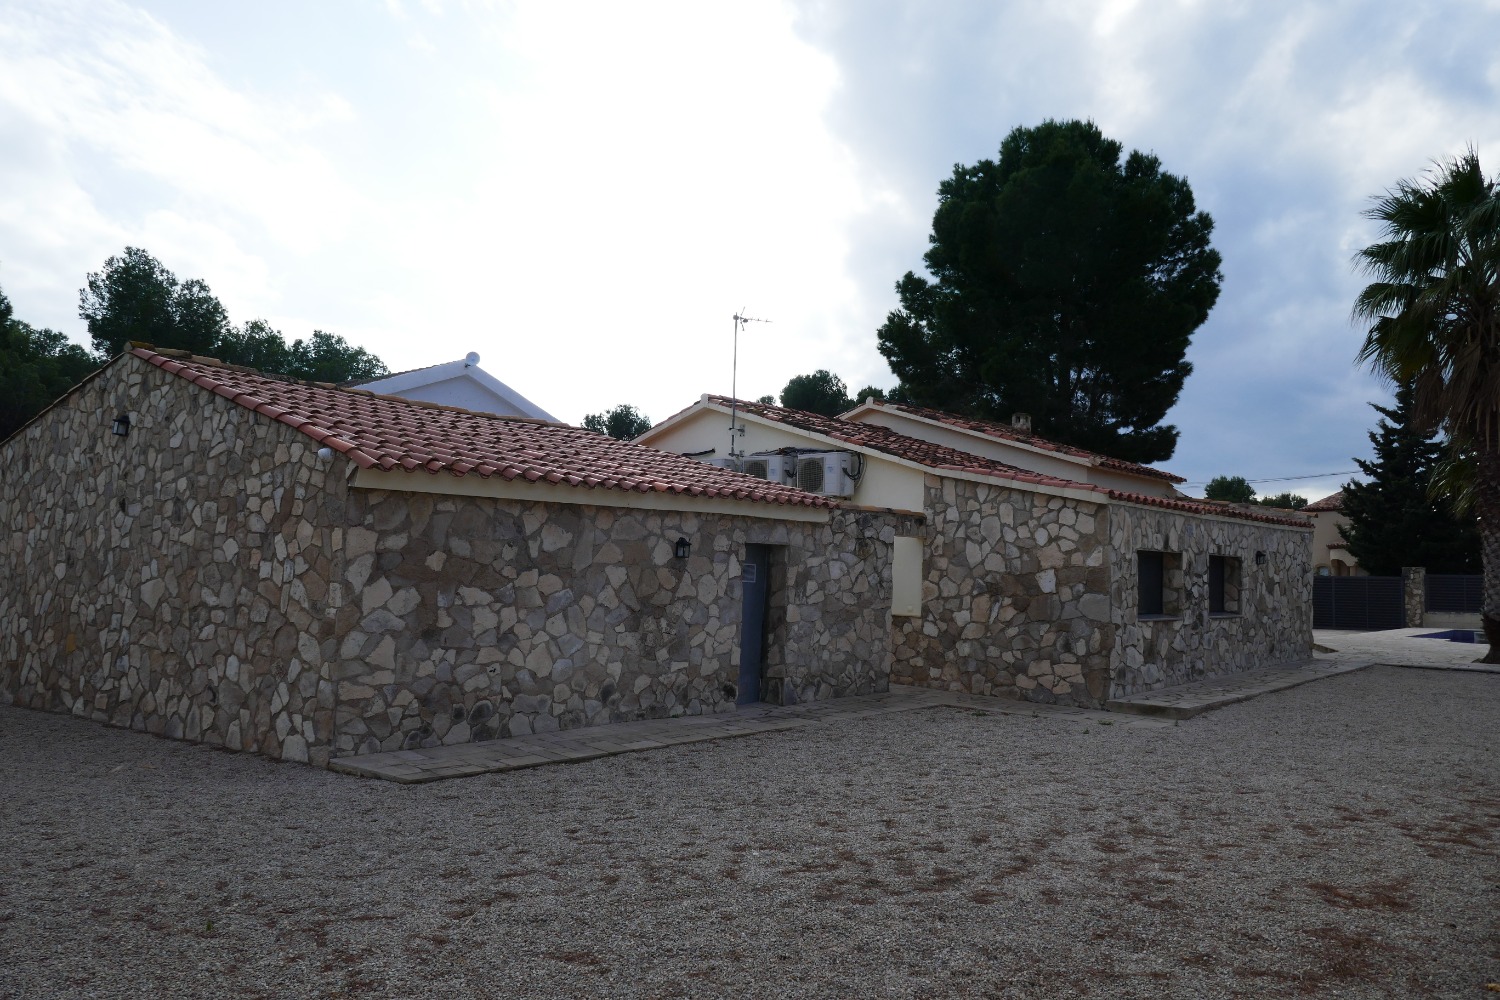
755, 576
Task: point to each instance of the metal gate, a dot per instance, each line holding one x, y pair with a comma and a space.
1358, 602
1455, 594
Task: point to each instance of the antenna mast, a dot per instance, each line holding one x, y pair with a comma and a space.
734, 376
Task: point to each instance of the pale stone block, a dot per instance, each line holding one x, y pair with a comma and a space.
152, 591
384, 654
403, 602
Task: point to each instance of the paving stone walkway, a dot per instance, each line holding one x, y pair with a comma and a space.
1187, 700
576, 745
1345, 653
1401, 647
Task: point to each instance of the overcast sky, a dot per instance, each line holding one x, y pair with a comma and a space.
586, 193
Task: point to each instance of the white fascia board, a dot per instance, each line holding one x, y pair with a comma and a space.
457, 369
446, 484
410, 380
508, 394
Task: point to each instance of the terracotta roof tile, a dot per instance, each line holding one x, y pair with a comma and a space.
1334, 502
1002, 432
941, 458
387, 432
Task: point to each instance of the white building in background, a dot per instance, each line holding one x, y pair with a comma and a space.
458, 383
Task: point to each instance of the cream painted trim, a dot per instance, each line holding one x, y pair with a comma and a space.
977, 435
477, 486
834, 444
1087, 463
1088, 496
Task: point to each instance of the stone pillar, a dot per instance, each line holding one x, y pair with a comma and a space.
1414, 594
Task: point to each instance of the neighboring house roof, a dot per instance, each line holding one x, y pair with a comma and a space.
394, 434
457, 383
1334, 503
941, 458
1003, 432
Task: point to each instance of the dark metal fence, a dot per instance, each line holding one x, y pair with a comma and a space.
1358, 602
1455, 594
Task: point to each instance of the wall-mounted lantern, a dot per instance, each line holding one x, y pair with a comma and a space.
121, 425
682, 549
1260, 558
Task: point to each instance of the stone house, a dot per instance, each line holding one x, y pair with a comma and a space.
1024, 582
307, 571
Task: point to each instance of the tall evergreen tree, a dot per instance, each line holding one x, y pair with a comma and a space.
1393, 519
36, 366
1067, 280
135, 298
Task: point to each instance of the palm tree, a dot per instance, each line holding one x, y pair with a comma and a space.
1434, 312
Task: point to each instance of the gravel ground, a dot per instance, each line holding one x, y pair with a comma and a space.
1338, 839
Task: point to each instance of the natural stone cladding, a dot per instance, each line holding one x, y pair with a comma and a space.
1035, 596
1014, 599
211, 577
480, 618
1273, 623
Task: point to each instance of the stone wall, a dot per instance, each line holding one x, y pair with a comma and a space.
479, 618
210, 577
1014, 599
179, 580
1033, 596
1273, 622
1413, 595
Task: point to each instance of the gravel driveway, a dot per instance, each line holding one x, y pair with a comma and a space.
1338, 839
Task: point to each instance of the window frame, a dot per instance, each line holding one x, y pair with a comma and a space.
1226, 576
1168, 606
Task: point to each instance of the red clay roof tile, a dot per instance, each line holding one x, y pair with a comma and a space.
1328, 503
1002, 432
942, 458
386, 432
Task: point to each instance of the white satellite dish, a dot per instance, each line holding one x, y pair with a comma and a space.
471, 359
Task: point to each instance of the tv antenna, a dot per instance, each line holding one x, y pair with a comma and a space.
734, 375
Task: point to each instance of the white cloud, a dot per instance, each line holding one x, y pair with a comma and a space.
586, 193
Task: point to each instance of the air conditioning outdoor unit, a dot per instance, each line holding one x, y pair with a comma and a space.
825, 472
731, 464
773, 468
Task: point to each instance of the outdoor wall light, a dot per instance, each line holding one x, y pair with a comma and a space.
121, 425
1260, 558
682, 549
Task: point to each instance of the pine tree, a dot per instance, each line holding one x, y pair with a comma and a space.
1393, 521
